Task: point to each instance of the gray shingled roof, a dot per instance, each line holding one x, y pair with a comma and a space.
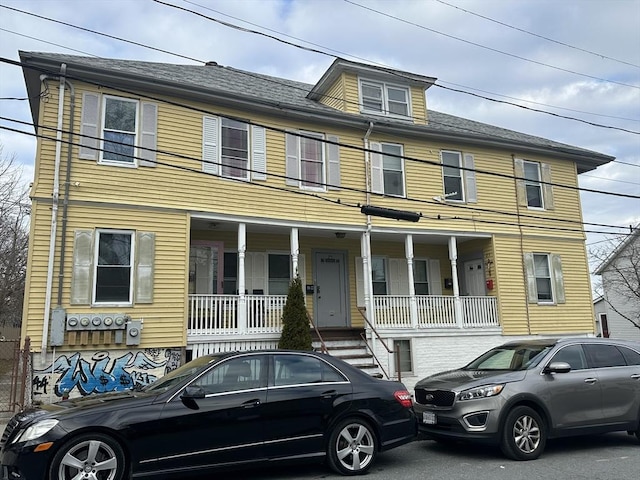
291, 95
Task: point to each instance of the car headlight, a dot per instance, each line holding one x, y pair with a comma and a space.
481, 392
35, 431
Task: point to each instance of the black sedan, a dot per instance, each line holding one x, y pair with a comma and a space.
216, 411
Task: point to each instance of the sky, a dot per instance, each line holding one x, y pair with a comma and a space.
564, 70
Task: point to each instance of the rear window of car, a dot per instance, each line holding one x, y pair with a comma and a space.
510, 357
631, 356
602, 356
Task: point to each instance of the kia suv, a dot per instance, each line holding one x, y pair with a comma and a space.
522, 393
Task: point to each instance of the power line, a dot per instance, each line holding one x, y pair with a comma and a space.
312, 50
488, 48
283, 130
600, 55
438, 217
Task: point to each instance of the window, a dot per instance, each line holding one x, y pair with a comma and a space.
378, 97
279, 274
387, 169
120, 124
403, 347
237, 374
114, 260
573, 355
452, 175
631, 356
230, 278
533, 184
420, 277
602, 356
233, 149
543, 277
545, 284
379, 275
303, 369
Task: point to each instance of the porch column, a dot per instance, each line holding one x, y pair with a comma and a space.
242, 299
453, 256
295, 251
365, 252
413, 304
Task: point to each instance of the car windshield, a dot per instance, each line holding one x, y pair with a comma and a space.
510, 357
180, 374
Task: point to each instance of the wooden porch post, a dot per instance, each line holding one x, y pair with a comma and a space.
242, 299
295, 251
453, 256
413, 304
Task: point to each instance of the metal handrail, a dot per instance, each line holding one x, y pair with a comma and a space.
384, 344
323, 346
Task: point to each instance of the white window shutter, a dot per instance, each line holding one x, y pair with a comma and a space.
255, 268
547, 189
529, 268
435, 282
377, 180
293, 162
471, 194
359, 282
148, 134
82, 273
558, 278
145, 254
210, 145
90, 126
258, 153
521, 189
398, 277
333, 158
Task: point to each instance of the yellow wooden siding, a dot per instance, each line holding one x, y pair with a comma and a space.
164, 319
574, 316
334, 97
418, 105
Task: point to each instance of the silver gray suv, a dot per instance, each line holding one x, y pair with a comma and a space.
521, 393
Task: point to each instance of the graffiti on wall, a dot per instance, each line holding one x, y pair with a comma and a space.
84, 373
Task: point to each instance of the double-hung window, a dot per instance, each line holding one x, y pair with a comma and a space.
452, 175
421, 277
114, 267
120, 128
379, 275
384, 99
233, 149
118, 131
403, 347
279, 273
387, 169
545, 283
533, 185
313, 163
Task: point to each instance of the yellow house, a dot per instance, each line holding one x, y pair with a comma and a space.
173, 204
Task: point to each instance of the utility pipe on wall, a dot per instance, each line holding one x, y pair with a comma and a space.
54, 215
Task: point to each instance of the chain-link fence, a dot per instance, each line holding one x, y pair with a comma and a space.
15, 375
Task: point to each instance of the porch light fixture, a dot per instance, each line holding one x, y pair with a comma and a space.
341, 234
390, 213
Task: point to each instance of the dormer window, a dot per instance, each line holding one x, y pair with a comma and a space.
384, 99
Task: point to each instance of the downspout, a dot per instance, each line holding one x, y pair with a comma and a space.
67, 180
54, 214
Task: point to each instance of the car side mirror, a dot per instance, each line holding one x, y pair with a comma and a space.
557, 367
193, 392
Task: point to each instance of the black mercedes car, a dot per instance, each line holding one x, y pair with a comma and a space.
216, 411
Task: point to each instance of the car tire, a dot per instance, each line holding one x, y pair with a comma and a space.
524, 434
96, 455
352, 447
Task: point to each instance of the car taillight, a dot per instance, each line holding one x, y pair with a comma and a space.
404, 398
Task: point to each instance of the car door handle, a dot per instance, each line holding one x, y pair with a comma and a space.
636, 376
251, 403
590, 380
329, 394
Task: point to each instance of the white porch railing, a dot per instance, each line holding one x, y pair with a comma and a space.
218, 314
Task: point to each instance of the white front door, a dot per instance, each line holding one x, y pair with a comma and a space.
474, 278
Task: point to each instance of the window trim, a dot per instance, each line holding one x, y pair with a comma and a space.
384, 88
385, 262
136, 134
411, 357
427, 272
96, 253
320, 137
537, 183
460, 176
552, 300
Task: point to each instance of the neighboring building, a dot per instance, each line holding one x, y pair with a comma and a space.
191, 195
618, 310
600, 310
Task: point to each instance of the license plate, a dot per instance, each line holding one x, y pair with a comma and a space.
429, 418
